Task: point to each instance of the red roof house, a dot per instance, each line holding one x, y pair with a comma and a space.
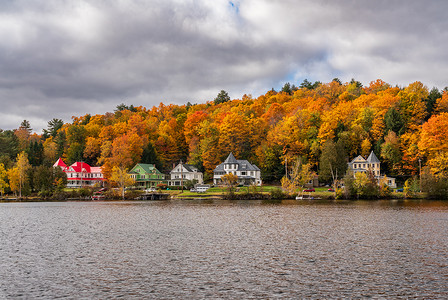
81, 174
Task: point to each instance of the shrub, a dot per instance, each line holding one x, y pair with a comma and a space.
278, 194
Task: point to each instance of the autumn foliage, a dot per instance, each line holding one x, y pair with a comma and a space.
402, 126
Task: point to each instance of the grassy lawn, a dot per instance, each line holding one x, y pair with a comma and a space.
218, 191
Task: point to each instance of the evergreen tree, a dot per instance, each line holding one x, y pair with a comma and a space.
222, 97
53, 126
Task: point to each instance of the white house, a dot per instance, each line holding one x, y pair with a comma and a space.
183, 172
246, 172
372, 164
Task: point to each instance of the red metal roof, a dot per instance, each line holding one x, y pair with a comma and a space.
60, 163
78, 166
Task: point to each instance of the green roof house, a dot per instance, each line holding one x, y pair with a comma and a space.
147, 175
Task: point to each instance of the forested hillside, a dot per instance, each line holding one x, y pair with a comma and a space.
316, 122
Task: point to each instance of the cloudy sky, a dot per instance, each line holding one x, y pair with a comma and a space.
62, 58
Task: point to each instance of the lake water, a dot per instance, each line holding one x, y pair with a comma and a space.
224, 249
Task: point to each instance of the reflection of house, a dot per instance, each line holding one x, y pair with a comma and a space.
183, 172
246, 172
371, 164
147, 175
81, 174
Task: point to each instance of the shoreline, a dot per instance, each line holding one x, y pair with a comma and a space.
212, 197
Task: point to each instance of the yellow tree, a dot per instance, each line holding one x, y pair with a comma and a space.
298, 176
413, 103
13, 177
234, 135
3, 183
22, 165
50, 150
442, 103
121, 178
366, 145
230, 180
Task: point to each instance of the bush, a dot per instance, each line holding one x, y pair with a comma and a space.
44, 194
85, 192
60, 195
132, 194
278, 194
436, 187
411, 187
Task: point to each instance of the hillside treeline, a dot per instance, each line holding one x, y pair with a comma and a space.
407, 127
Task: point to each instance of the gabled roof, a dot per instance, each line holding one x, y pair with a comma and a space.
189, 168
147, 168
242, 165
358, 159
372, 158
230, 159
79, 166
60, 163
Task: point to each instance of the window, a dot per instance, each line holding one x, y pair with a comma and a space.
243, 173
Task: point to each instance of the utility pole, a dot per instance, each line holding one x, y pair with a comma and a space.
81, 173
182, 175
420, 173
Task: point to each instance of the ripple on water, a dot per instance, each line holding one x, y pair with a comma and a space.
223, 250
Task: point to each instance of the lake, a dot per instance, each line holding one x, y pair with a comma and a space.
224, 249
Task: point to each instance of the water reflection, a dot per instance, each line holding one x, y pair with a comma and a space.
224, 249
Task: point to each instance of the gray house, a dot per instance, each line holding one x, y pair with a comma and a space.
246, 172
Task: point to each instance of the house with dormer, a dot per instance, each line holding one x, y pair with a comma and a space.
81, 174
247, 173
372, 164
185, 172
147, 176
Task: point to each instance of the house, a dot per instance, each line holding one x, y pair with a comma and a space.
314, 182
371, 164
147, 175
246, 172
183, 172
81, 174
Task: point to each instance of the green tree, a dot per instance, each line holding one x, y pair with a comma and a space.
26, 126
43, 179
9, 144
333, 162
288, 88
393, 121
35, 152
46, 179
431, 101
149, 156
222, 97
52, 129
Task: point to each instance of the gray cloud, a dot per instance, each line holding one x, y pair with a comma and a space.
65, 58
